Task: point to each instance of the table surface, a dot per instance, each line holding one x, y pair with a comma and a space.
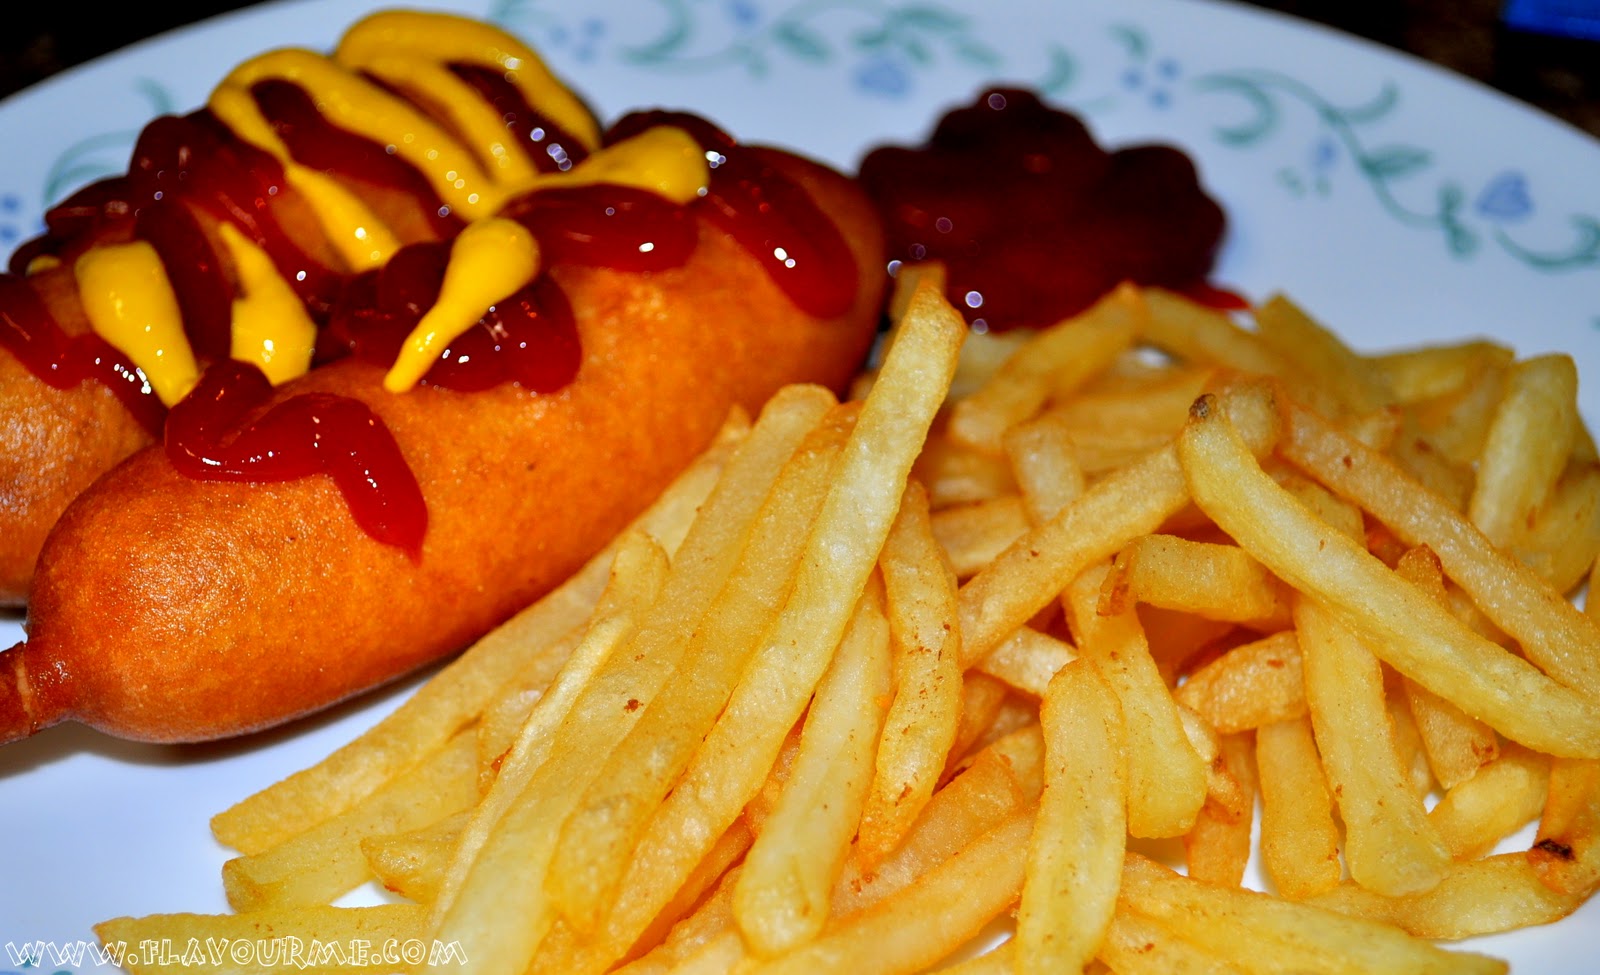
1559, 75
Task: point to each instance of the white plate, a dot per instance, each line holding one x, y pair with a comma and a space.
1396, 202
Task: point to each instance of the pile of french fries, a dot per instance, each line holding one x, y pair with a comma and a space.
1018, 639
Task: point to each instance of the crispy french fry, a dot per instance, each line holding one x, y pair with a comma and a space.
1219, 582
1251, 685
413, 864
1457, 745
1418, 374
1267, 934
1137, 945
1566, 854
973, 534
1554, 635
1527, 446
1299, 839
324, 862
1500, 798
1121, 507
600, 834
1414, 634
920, 924
1075, 855
1389, 844
1166, 778
502, 719
1218, 847
1027, 660
1044, 465
956, 475
1563, 539
1320, 354
839, 556
783, 895
921, 726
1487, 896
1204, 336
982, 699
499, 822
1055, 360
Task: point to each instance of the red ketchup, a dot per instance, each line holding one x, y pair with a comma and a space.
1033, 220
313, 433
190, 170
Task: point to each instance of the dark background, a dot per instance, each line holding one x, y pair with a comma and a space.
1561, 76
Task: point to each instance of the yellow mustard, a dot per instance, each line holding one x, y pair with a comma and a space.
489, 261
131, 305
270, 326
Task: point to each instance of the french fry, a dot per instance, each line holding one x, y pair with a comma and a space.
1251, 685
1497, 893
921, 726
1075, 854
1408, 746
459, 692
1527, 446
722, 859
1027, 660
1418, 374
502, 719
783, 895
1165, 777
956, 475
413, 864
1414, 634
1389, 844
982, 699
973, 534
519, 822
1055, 360
1500, 798
317, 939
1002, 780
1261, 933
1001, 961
1204, 336
840, 554
1132, 502
1566, 854
602, 830
1457, 745
1045, 466
1218, 846
500, 822
1321, 355
324, 862
1219, 582
1299, 839
920, 924
1137, 945
1563, 538
1553, 634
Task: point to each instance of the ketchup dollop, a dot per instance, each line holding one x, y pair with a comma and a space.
1033, 220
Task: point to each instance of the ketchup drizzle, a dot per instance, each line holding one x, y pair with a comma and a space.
312, 433
188, 173
771, 216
